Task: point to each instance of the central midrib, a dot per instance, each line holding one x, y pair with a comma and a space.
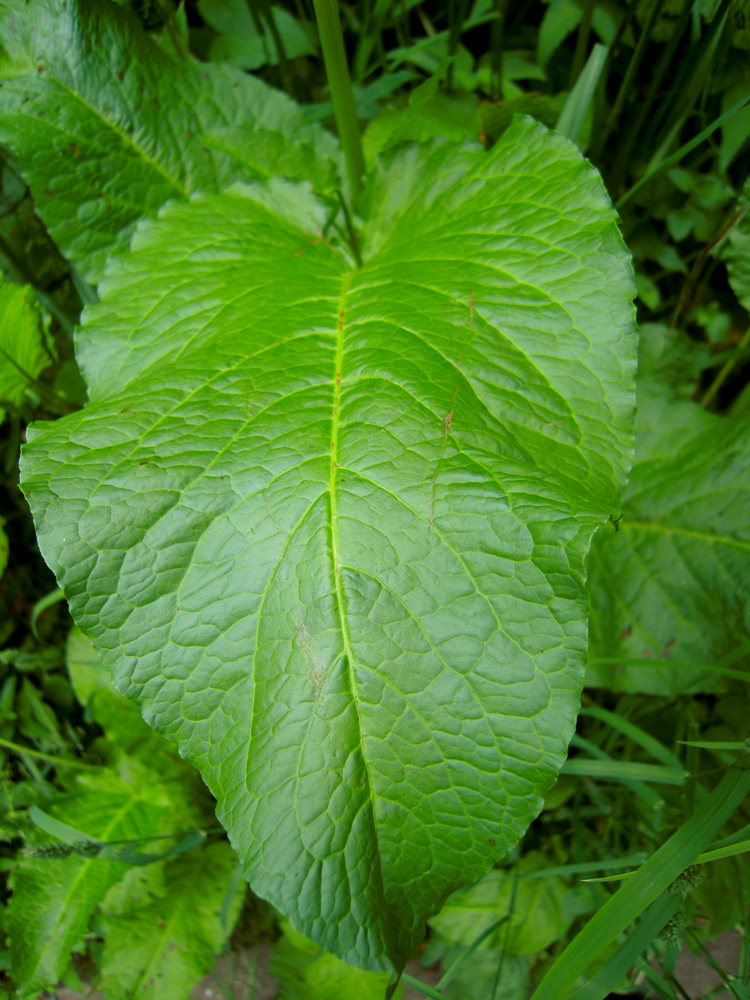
340, 599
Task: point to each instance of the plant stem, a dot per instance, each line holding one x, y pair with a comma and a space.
342, 95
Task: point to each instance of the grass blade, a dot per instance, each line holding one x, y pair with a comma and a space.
579, 99
623, 770
637, 735
614, 971
644, 888
670, 161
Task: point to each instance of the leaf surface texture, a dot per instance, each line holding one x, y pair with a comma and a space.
328, 525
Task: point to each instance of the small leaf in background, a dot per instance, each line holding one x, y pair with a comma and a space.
476, 977
238, 42
430, 113
163, 945
305, 972
89, 129
668, 582
24, 352
537, 919
495, 118
54, 897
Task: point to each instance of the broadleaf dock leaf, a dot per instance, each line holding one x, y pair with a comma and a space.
327, 525
106, 126
669, 581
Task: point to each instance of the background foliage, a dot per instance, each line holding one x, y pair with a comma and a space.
102, 822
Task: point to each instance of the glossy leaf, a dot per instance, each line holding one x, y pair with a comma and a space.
669, 581
164, 947
53, 897
327, 524
106, 126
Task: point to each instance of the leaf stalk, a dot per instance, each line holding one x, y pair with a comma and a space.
342, 95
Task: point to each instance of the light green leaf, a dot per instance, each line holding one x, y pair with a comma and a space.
107, 126
240, 44
328, 525
54, 898
669, 582
304, 972
23, 353
536, 920
163, 948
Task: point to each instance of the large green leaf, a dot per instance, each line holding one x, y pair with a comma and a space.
53, 898
670, 581
328, 524
161, 949
106, 126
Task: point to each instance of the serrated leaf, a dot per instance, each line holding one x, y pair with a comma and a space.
537, 917
327, 524
54, 898
106, 126
163, 948
671, 582
304, 972
23, 354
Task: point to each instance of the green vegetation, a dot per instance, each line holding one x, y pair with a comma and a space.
338, 454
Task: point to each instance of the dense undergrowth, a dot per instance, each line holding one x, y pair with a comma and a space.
117, 874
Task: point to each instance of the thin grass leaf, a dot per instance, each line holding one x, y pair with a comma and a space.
587, 866
614, 971
640, 661
423, 988
453, 969
623, 770
640, 891
22, 751
636, 735
579, 100
659, 167
716, 744
651, 797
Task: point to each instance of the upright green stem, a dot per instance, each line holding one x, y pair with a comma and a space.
342, 95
